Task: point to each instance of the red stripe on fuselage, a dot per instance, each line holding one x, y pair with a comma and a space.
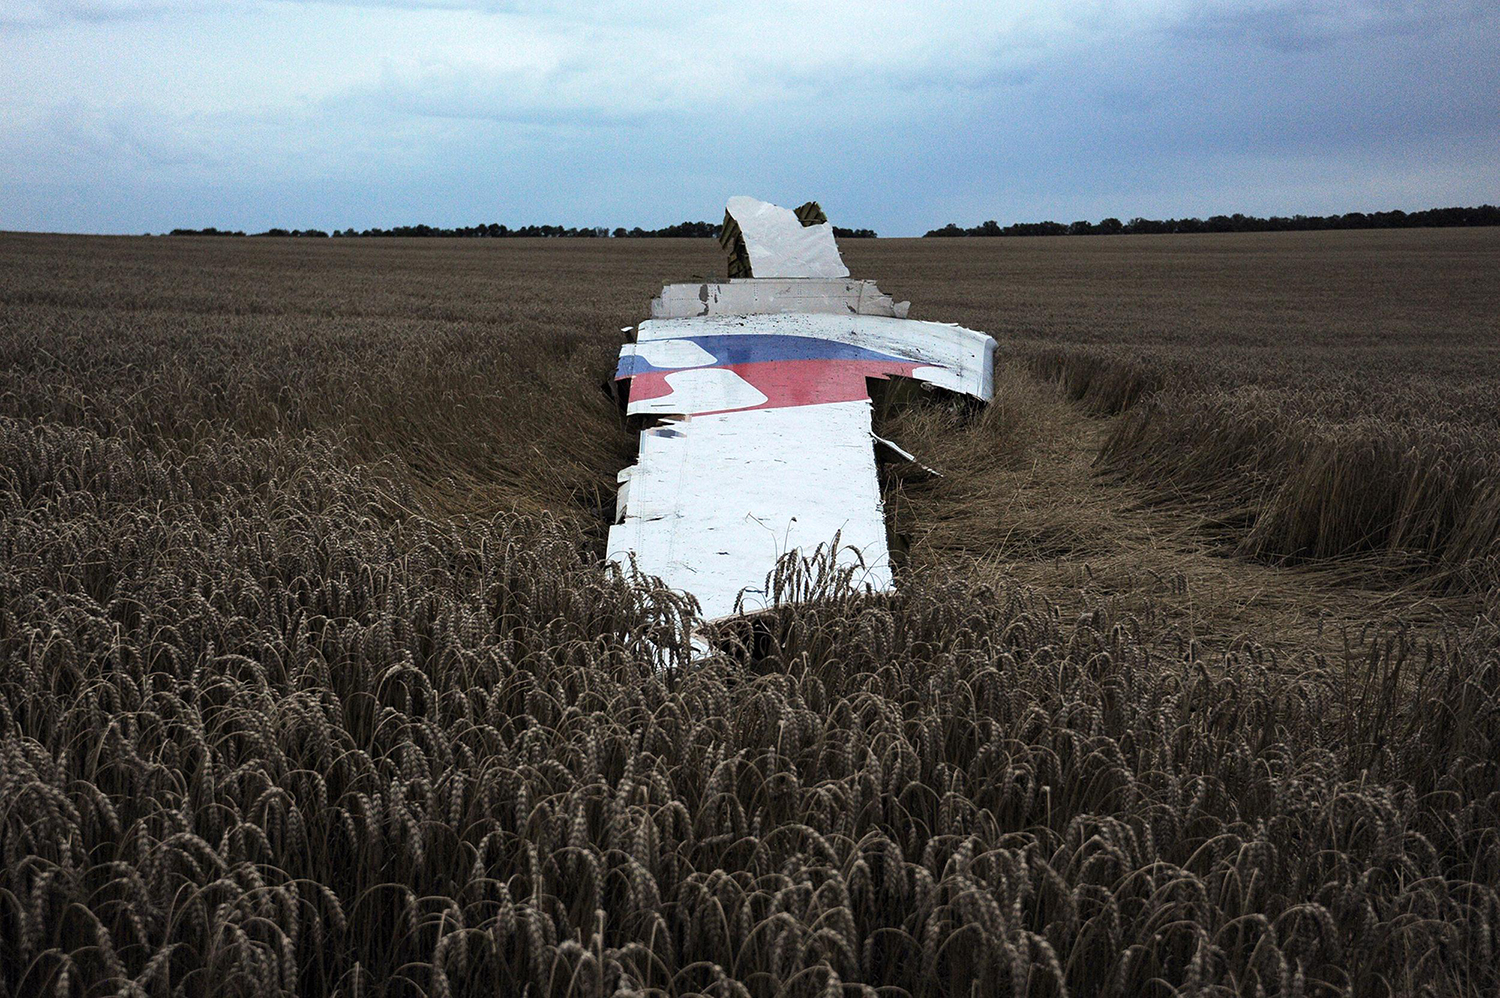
787, 383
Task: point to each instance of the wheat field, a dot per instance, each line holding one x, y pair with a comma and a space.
312, 681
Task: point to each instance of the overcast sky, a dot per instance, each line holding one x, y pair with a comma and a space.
143, 115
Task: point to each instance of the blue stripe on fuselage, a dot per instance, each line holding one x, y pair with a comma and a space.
760, 348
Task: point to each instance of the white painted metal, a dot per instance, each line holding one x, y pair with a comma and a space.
764, 444
701, 390
673, 353
955, 358
751, 296
720, 493
779, 245
715, 500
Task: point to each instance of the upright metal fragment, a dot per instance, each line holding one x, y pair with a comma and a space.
766, 240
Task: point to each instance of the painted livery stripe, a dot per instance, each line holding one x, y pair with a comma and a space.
784, 384
729, 351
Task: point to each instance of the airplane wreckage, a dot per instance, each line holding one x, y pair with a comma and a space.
755, 400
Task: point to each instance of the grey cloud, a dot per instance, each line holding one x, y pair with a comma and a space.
1288, 25
45, 12
1265, 108
42, 13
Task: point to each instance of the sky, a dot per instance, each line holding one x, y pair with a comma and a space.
122, 116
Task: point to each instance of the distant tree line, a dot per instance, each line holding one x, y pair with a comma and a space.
688, 230
682, 230
490, 231
210, 231
1433, 217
